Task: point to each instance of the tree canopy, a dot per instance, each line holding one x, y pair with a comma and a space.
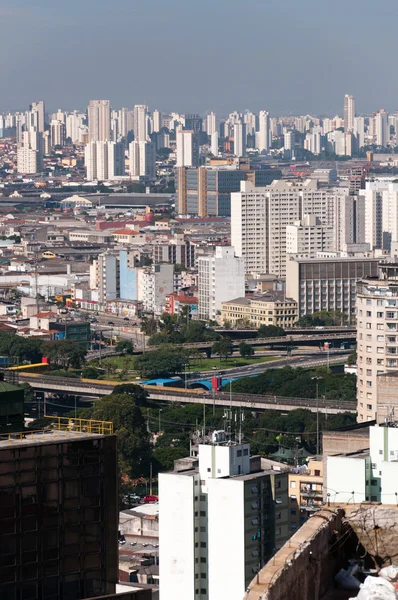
265, 331
180, 329
299, 383
223, 347
134, 448
65, 353
162, 363
323, 318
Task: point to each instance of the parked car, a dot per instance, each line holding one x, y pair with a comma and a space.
150, 499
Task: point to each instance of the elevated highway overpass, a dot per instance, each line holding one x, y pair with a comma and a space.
93, 389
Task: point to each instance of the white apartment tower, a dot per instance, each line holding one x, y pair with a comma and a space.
377, 335
157, 120
214, 143
263, 133
140, 123
30, 152
99, 121
104, 160
108, 277
307, 237
142, 158
240, 139
382, 130
38, 116
221, 277
187, 148
215, 524
260, 215
359, 130
349, 112
57, 133
211, 123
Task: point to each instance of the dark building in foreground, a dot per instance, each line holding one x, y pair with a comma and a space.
58, 513
11, 407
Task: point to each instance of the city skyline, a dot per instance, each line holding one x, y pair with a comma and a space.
94, 51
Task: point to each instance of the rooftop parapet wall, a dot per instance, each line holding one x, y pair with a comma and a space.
304, 567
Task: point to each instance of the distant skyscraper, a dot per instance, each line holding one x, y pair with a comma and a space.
104, 160
263, 137
193, 123
349, 112
211, 123
38, 115
57, 132
30, 152
240, 139
140, 123
381, 128
187, 149
99, 121
214, 143
142, 157
359, 130
157, 121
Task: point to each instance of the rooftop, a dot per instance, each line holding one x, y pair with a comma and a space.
62, 429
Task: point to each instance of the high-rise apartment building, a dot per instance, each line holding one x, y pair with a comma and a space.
142, 158
157, 120
382, 129
260, 215
99, 121
211, 124
308, 236
264, 131
30, 152
140, 123
359, 130
221, 277
377, 335
239, 139
187, 148
349, 112
214, 143
104, 160
219, 522
38, 115
57, 133
58, 518
108, 277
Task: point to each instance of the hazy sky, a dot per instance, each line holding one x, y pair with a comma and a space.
193, 56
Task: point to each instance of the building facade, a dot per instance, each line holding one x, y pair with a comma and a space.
377, 335
221, 277
58, 521
272, 308
327, 283
217, 523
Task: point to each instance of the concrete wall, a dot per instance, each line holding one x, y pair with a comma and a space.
304, 568
139, 525
387, 398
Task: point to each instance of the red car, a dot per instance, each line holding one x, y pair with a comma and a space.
150, 499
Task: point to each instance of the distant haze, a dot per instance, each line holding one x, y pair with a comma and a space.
287, 56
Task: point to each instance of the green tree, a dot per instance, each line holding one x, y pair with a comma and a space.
149, 325
65, 353
125, 346
223, 348
265, 331
134, 449
245, 349
352, 359
137, 393
323, 318
91, 373
161, 363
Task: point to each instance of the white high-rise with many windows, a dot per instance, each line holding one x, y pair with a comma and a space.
263, 132
221, 277
140, 123
187, 148
104, 160
211, 123
99, 121
240, 139
349, 112
142, 158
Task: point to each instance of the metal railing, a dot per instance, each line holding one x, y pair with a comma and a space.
60, 424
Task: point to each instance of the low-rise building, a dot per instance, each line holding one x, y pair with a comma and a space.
305, 492
271, 308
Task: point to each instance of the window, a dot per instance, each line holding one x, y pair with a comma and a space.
368, 407
278, 500
278, 530
293, 526
380, 451
239, 453
278, 483
208, 469
203, 560
293, 512
254, 505
246, 452
317, 473
203, 544
373, 482
292, 484
202, 513
278, 515
254, 521
203, 576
